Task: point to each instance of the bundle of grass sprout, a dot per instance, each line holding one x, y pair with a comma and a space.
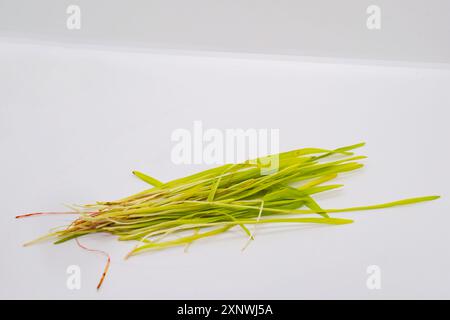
211, 202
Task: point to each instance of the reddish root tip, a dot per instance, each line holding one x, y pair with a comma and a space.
28, 215
108, 262
48, 213
104, 273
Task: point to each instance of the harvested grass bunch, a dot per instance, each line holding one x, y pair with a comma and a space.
213, 201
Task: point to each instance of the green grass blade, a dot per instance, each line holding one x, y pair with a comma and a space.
146, 178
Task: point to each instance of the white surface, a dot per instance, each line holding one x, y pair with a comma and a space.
75, 122
410, 30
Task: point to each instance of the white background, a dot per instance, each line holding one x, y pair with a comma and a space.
75, 122
411, 30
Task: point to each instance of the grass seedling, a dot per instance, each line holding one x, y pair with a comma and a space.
211, 202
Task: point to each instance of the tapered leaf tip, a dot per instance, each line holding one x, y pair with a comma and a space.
360, 144
426, 198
